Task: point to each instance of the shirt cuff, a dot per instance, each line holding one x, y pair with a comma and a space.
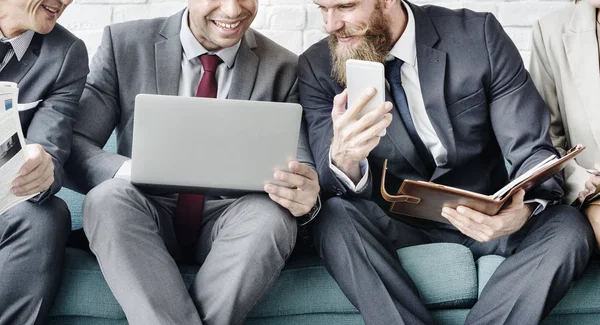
362, 184
124, 171
542, 204
303, 221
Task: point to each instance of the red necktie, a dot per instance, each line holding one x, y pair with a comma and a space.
188, 215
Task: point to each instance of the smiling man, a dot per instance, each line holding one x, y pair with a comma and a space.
460, 102
49, 65
242, 242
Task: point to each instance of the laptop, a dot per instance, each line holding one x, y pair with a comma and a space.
213, 146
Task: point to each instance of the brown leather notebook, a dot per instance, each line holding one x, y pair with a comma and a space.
425, 200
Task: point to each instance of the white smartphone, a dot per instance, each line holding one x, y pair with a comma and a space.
361, 75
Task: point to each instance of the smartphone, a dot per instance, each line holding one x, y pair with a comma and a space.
361, 75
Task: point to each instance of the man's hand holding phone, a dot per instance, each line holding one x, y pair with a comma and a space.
354, 137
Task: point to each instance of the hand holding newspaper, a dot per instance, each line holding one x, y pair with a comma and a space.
13, 152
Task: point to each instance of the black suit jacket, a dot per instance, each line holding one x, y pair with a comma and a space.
478, 96
53, 72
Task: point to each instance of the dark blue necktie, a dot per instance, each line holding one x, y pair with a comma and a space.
392, 74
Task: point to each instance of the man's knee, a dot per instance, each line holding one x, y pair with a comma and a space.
336, 217
107, 196
336, 224
571, 231
44, 226
106, 193
271, 224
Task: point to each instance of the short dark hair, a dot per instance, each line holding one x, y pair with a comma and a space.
575, 1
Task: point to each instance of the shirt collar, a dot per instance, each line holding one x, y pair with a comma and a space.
405, 48
20, 43
192, 48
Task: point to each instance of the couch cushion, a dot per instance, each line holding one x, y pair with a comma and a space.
444, 274
83, 291
299, 291
74, 200
486, 266
584, 296
575, 319
80, 320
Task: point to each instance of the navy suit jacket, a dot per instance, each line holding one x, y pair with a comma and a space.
478, 95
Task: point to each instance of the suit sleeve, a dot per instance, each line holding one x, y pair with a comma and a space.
543, 77
520, 118
317, 104
99, 112
304, 155
52, 124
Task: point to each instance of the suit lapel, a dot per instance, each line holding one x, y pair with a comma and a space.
581, 43
168, 70
16, 70
245, 69
432, 74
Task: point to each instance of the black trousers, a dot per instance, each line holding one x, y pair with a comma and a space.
358, 242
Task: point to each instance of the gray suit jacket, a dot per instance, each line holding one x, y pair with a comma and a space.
52, 70
565, 68
478, 96
144, 56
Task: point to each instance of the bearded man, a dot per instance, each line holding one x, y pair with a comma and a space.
460, 102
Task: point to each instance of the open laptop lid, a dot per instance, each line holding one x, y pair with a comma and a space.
214, 146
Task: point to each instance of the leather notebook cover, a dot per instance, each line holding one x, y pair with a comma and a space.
590, 199
425, 200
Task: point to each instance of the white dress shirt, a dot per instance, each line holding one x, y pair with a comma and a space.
19, 44
191, 68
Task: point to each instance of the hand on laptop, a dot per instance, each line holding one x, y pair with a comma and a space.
36, 175
301, 195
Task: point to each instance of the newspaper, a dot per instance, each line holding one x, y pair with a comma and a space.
13, 151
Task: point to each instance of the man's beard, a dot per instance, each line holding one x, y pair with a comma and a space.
374, 44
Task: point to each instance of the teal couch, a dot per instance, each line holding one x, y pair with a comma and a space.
448, 278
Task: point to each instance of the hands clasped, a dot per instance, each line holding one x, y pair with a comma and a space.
301, 194
355, 137
484, 228
36, 175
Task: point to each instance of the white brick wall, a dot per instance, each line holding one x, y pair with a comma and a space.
295, 24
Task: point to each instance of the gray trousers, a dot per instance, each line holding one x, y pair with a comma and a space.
32, 246
358, 242
242, 247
